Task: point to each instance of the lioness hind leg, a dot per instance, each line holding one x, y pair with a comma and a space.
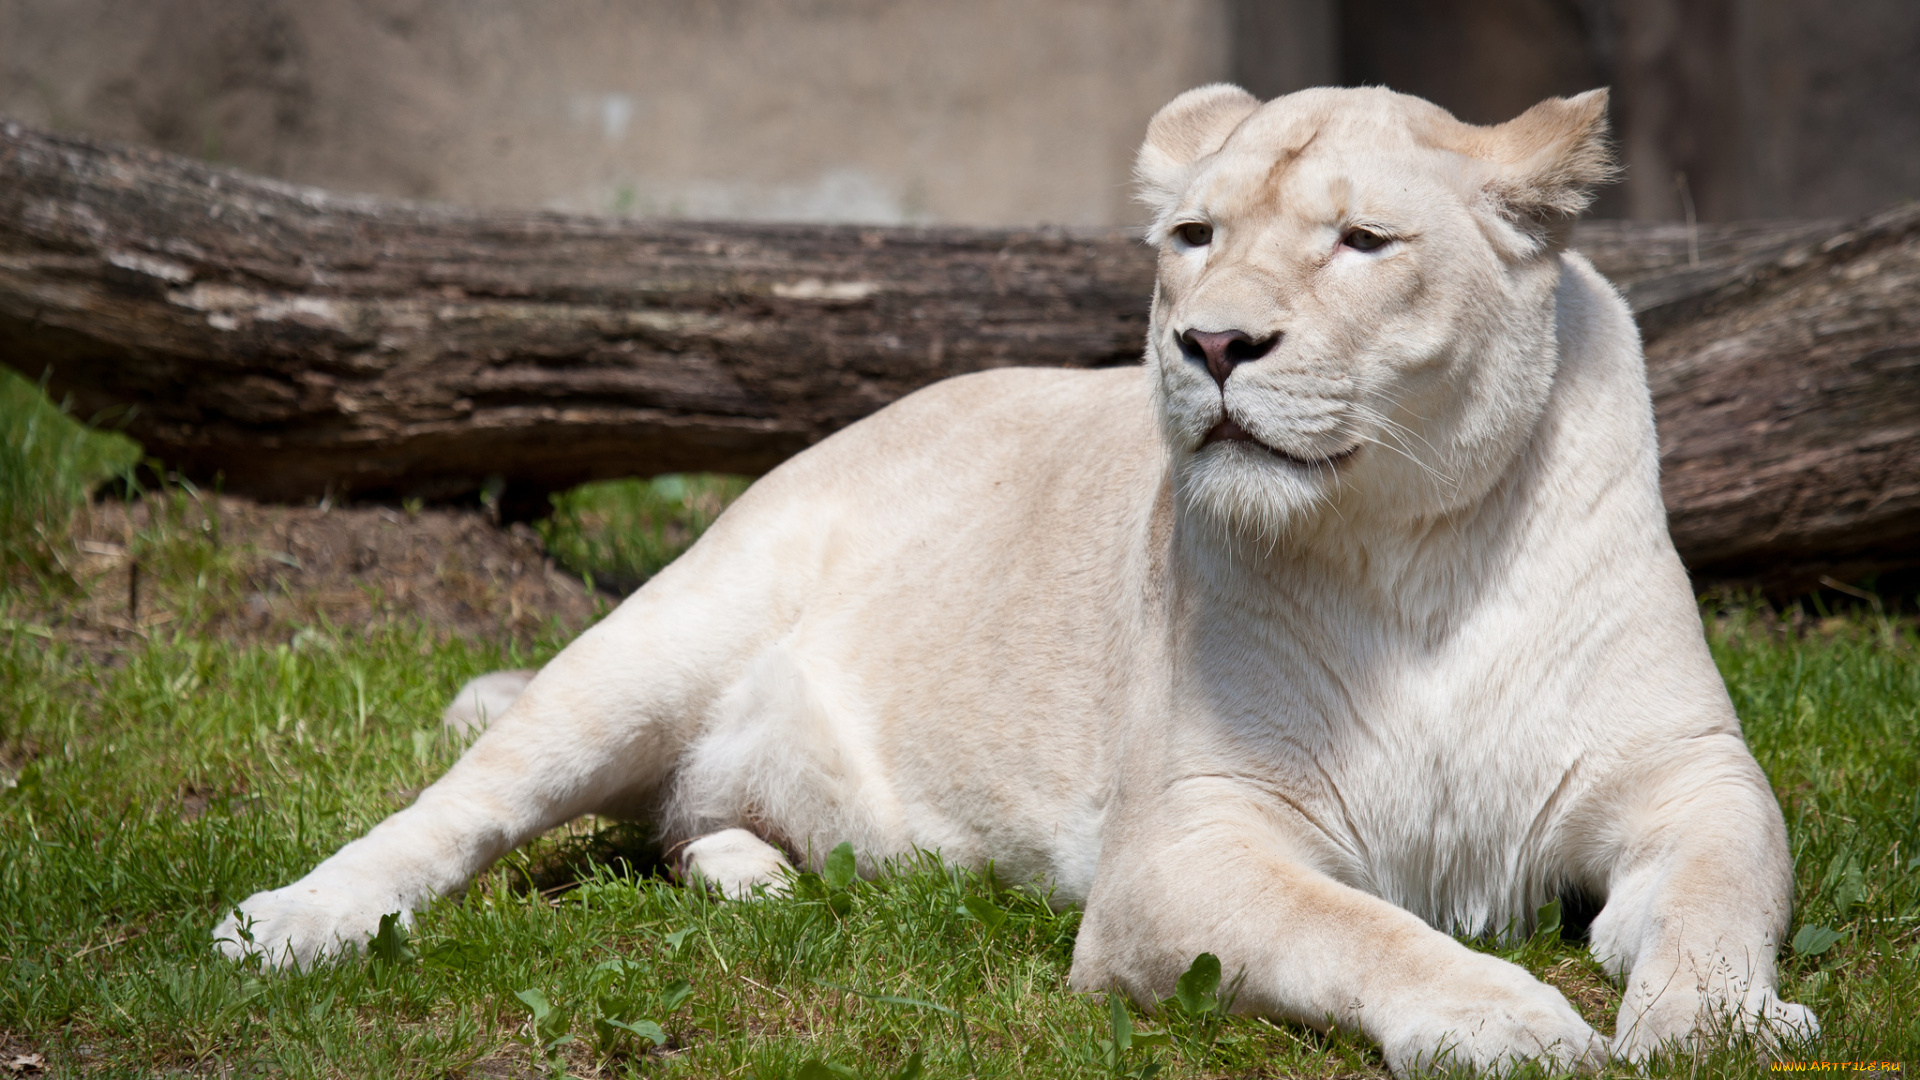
597, 731
734, 862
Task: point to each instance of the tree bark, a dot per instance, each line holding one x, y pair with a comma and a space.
1787, 391
296, 343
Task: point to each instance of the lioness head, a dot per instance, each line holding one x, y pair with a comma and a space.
1355, 306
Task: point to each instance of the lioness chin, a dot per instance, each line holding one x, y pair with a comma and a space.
1347, 621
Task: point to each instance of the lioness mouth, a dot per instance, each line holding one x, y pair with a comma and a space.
1228, 430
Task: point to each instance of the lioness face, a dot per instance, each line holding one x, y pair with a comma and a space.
1354, 314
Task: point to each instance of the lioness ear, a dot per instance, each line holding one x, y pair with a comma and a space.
1185, 130
1550, 158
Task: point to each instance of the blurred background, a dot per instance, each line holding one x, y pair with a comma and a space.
974, 112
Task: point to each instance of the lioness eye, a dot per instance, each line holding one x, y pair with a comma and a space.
1363, 239
1195, 234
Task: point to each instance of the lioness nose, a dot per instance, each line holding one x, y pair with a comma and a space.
1223, 350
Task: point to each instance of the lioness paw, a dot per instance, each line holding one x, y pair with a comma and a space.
734, 862
1677, 1022
297, 925
1502, 1019
1782, 1022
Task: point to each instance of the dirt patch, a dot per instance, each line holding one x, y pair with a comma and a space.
14, 757
234, 569
20, 1058
1586, 989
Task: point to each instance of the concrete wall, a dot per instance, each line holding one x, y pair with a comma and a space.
1766, 108
1769, 108
958, 111
973, 112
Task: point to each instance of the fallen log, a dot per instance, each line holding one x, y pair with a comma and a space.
296, 343
1786, 385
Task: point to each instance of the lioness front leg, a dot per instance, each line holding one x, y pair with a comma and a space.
1308, 948
1698, 903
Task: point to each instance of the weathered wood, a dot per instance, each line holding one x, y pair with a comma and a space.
1788, 399
296, 342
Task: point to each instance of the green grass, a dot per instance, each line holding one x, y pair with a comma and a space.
145, 790
47, 465
1834, 719
621, 532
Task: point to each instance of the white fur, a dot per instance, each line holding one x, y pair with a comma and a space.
1308, 715
736, 863
483, 699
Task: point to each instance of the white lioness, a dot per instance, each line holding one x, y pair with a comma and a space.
1348, 620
